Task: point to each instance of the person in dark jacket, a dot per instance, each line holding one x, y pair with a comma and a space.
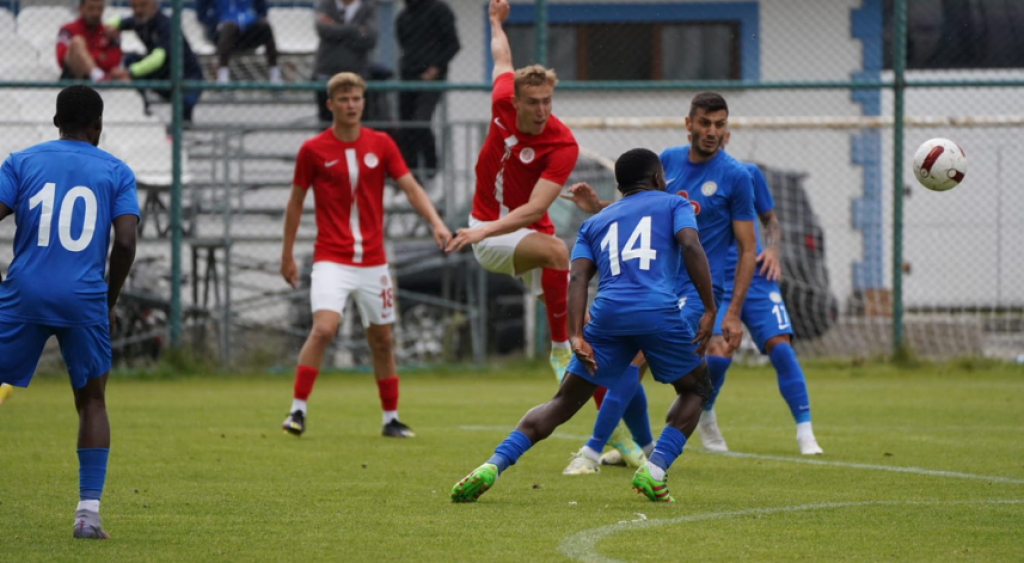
238, 25
348, 32
154, 30
428, 38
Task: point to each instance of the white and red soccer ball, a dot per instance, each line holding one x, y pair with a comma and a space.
940, 164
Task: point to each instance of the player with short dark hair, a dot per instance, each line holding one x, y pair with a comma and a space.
65, 195
637, 246
345, 166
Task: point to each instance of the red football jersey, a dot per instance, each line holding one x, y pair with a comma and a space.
510, 162
105, 52
348, 191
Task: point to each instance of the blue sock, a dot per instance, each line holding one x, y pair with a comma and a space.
717, 366
508, 452
92, 472
669, 447
637, 419
791, 382
614, 407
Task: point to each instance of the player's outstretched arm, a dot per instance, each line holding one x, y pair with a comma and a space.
500, 51
580, 272
292, 216
585, 198
771, 268
122, 256
697, 268
421, 203
544, 194
746, 250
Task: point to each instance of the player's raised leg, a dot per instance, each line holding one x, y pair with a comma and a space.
793, 388
549, 254
311, 356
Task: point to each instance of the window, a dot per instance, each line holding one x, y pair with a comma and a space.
635, 51
960, 34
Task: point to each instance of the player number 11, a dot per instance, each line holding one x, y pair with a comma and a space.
46, 197
645, 253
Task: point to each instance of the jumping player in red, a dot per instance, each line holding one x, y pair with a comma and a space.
345, 165
525, 160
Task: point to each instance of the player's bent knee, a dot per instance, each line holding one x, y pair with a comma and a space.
774, 341
323, 332
697, 382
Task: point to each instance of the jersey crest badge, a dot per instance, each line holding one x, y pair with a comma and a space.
526, 155
775, 297
709, 189
371, 160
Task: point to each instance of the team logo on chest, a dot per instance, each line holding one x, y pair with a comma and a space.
709, 189
775, 297
526, 155
370, 160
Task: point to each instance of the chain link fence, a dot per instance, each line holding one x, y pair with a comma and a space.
810, 89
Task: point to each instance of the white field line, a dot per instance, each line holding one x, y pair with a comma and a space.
582, 546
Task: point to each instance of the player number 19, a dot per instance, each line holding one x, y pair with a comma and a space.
46, 197
630, 252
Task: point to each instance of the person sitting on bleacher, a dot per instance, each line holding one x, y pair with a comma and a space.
238, 25
83, 49
154, 30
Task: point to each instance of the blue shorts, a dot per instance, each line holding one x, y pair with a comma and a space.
669, 353
86, 351
763, 312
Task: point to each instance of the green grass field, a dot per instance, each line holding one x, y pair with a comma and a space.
200, 471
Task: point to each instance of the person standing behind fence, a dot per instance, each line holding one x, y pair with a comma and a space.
238, 25
348, 32
345, 165
83, 49
65, 196
428, 38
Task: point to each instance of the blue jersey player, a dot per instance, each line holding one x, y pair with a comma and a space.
764, 313
638, 246
65, 195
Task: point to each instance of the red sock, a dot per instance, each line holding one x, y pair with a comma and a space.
305, 376
556, 293
599, 396
388, 390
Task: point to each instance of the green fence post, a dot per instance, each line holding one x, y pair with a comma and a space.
177, 65
899, 61
540, 26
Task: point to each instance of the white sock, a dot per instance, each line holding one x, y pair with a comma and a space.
648, 449
223, 75
656, 472
97, 74
803, 430
708, 417
564, 345
89, 505
274, 73
389, 416
299, 405
590, 454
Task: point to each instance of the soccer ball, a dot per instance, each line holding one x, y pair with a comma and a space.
940, 165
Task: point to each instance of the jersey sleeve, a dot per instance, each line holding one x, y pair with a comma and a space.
127, 201
503, 90
8, 184
560, 164
394, 164
741, 200
303, 171
682, 215
582, 247
763, 202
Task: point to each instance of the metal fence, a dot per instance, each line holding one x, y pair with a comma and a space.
830, 98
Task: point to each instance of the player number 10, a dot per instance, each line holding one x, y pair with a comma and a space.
645, 253
46, 197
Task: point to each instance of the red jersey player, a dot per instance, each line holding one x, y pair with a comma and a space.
525, 160
84, 50
345, 165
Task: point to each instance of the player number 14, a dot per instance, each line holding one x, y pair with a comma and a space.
46, 198
644, 253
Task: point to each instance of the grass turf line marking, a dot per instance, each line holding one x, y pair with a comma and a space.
582, 546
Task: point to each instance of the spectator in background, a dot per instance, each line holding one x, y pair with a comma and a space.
83, 49
154, 30
238, 25
427, 36
348, 32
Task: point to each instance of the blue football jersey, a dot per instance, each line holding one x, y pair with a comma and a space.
65, 195
633, 243
720, 191
763, 203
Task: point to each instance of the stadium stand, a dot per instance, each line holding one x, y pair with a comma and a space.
7, 24
293, 29
40, 24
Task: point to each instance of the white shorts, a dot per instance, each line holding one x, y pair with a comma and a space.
371, 287
497, 254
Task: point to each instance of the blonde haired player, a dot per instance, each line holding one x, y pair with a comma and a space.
524, 162
345, 165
